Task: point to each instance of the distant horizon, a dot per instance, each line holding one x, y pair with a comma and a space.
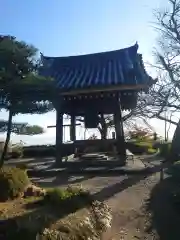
49, 137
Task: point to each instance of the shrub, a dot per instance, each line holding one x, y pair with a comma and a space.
46, 150
13, 182
174, 171
17, 151
70, 198
164, 149
22, 166
34, 191
9, 149
151, 151
140, 147
175, 198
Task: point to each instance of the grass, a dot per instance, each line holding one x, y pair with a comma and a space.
151, 151
145, 146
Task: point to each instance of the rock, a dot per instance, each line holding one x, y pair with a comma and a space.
34, 191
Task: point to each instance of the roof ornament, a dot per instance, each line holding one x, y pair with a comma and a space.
45, 61
136, 45
41, 57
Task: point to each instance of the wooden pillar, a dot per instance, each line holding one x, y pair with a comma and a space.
73, 128
120, 141
59, 134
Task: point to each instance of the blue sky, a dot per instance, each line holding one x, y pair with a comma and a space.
64, 27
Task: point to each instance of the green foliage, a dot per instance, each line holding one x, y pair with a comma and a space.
151, 151
174, 171
16, 58
22, 89
8, 150
69, 197
13, 182
165, 149
21, 128
32, 130
17, 151
22, 166
20, 83
146, 144
141, 147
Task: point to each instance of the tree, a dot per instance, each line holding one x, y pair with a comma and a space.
165, 96
21, 128
129, 118
140, 133
22, 89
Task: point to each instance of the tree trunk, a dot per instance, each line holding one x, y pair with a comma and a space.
103, 132
8, 135
175, 146
103, 129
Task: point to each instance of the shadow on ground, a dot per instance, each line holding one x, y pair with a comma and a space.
103, 193
61, 180
109, 191
42, 214
164, 217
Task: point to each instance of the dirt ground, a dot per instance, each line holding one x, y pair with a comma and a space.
130, 219
127, 197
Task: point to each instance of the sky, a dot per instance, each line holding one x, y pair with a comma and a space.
64, 27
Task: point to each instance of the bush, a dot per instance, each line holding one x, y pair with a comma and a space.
174, 171
140, 147
17, 151
69, 199
46, 150
164, 149
13, 182
151, 151
22, 166
9, 150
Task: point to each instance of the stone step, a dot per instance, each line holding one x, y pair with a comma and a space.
94, 163
93, 159
94, 156
95, 171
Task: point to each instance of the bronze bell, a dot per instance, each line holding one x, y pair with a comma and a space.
91, 120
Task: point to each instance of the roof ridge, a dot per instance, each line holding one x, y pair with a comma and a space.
136, 46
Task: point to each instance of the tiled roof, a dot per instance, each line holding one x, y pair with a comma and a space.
120, 67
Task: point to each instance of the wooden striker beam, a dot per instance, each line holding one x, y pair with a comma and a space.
121, 147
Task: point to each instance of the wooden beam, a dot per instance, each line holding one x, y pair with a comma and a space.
121, 147
59, 134
64, 125
73, 128
137, 87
